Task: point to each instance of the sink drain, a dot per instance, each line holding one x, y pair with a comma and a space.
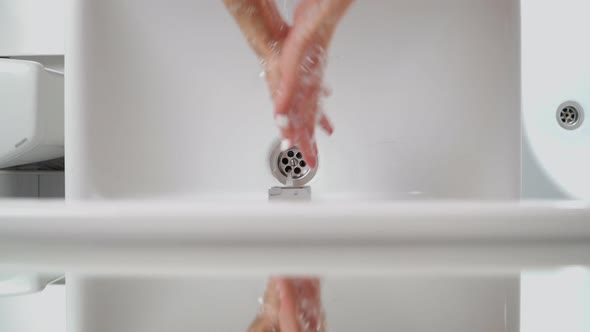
570, 115
290, 164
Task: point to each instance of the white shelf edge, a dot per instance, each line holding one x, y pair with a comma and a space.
198, 237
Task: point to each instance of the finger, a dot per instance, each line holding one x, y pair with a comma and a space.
310, 90
303, 132
324, 122
308, 303
300, 121
288, 310
294, 121
308, 288
314, 102
307, 147
282, 120
271, 299
309, 110
291, 60
310, 127
272, 74
306, 140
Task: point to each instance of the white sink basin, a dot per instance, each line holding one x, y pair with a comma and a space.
550, 77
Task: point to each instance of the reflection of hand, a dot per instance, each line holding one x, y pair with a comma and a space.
290, 305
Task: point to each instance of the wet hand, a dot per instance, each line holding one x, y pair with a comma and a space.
302, 62
290, 305
294, 58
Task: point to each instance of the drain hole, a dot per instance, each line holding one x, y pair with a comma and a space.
289, 164
570, 115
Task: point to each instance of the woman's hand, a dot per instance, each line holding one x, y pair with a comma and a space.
302, 63
294, 59
290, 305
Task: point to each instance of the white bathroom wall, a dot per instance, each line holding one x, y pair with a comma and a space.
32, 27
